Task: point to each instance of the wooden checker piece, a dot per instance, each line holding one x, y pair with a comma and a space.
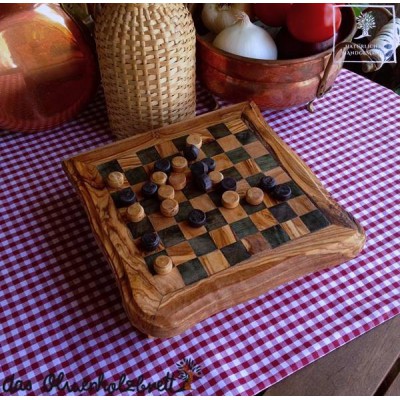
240, 252
254, 196
195, 140
115, 179
166, 192
163, 265
159, 178
135, 212
169, 207
216, 177
179, 164
230, 199
177, 180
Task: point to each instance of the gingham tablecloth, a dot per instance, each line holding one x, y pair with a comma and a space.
60, 308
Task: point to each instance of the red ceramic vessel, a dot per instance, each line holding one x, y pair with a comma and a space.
48, 67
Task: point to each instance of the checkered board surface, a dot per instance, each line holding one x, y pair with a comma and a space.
61, 310
230, 236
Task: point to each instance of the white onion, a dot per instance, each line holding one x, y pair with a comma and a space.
247, 40
218, 16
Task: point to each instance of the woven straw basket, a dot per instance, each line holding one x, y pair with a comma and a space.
147, 61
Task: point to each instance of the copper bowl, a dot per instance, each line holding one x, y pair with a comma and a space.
274, 84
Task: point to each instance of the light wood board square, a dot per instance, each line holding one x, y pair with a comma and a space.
180, 196
223, 236
301, 205
149, 168
129, 161
234, 214
255, 243
222, 162
214, 262
236, 125
181, 253
203, 203
247, 168
256, 149
166, 149
295, 228
263, 219
279, 175
160, 221
190, 232
229, 143
270, 201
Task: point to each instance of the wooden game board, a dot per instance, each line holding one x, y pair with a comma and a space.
240, 253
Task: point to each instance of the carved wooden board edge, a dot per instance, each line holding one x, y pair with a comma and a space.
171, 314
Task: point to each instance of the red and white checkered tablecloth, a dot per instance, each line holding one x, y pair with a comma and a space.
61, 310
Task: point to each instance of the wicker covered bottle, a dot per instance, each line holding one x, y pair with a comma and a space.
147, 61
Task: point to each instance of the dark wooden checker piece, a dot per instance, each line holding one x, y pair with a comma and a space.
238, 253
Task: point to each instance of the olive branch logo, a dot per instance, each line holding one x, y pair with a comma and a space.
365, 22
188, 372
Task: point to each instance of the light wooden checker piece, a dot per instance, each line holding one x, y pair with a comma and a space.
240, 253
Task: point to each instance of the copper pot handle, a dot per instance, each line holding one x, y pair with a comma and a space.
322, 90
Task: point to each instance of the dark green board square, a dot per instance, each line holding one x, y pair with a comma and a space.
232, 172
191, 191
314, 220
275, 236
215, 196
115, 197
238, 155
212, 149
180, 142
282, 212
138, 229
136, 175
184, 210
150, 206
246, 137
108, 167
149, 260
250, 209
171, 236
254, 180
296, 191
243, 228
215, 220
235, 253
266, 162
219, 131
192, 271
202, 244
149, 155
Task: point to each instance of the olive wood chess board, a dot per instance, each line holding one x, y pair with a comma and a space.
240, 253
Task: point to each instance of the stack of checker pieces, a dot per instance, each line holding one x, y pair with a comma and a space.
230, 236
